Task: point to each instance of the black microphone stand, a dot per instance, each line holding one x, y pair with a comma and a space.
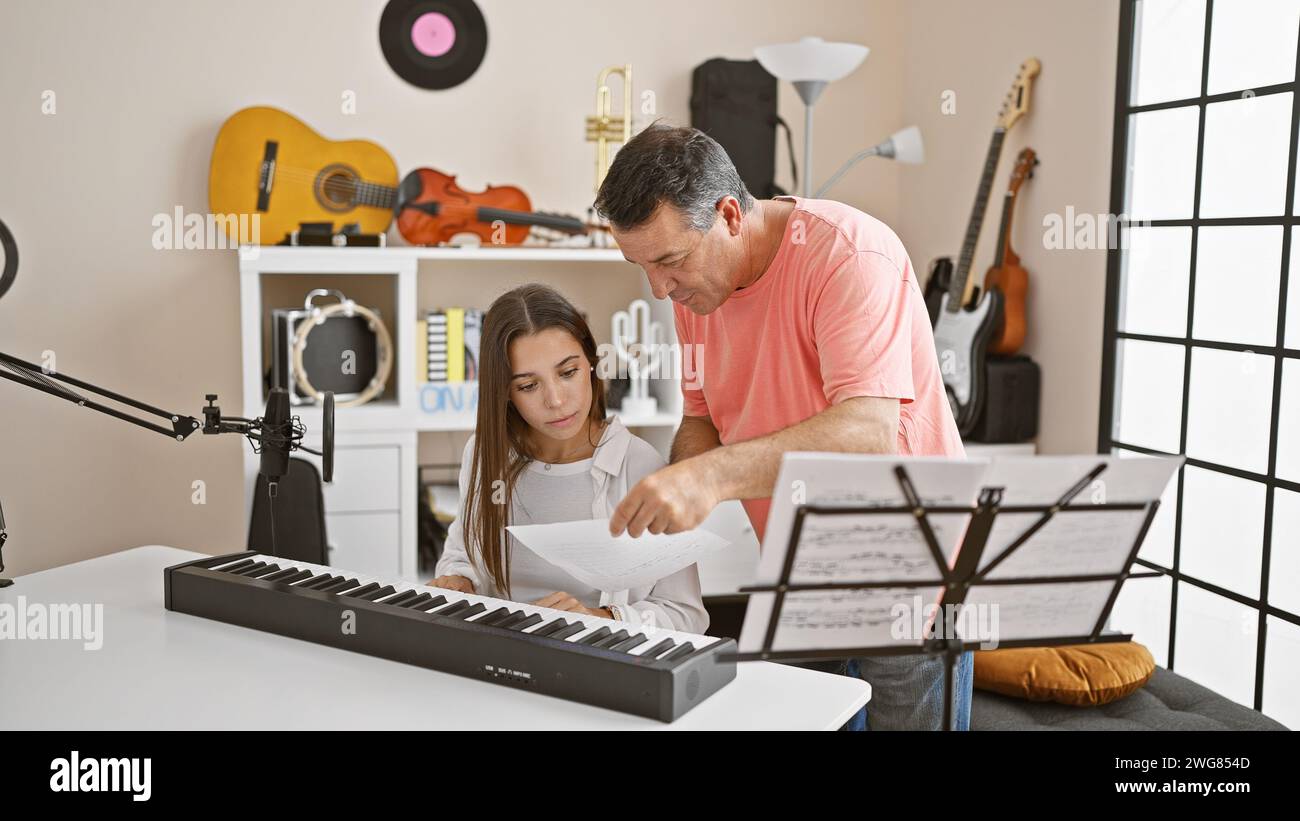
283, 437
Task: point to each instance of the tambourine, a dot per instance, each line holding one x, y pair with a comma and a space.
348, 308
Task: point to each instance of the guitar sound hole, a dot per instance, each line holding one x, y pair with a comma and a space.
336, 188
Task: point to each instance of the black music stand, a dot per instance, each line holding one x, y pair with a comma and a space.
956, 581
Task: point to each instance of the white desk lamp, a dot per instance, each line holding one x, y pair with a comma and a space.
809, 65
904, 146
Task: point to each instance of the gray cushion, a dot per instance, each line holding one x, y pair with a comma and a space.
1167, 702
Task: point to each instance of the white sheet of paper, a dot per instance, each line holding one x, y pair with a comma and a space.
866, 547
585, 550
834, 619
1075, 543
885, 548
835, 543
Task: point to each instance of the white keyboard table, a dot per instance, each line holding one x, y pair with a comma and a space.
163, 670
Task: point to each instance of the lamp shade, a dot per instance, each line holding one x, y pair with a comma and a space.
907, 145
811, 59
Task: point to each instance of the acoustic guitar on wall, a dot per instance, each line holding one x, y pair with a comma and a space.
270, 164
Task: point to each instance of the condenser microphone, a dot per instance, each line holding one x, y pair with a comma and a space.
277, 436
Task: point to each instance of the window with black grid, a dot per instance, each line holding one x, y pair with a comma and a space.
1202, 338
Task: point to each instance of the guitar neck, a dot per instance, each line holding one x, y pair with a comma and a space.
961, 276
1004, 230
375, 195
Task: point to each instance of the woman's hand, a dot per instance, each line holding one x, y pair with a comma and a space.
564, 601
457, 583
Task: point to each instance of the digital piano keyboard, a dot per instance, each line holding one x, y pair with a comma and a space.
632, 668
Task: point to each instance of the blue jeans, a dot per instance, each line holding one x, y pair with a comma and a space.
907, 692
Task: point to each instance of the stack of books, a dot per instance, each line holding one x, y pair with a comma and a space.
449, 345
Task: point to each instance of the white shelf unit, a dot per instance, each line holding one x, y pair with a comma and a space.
371, 512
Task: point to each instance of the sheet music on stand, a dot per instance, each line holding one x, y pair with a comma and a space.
885, 555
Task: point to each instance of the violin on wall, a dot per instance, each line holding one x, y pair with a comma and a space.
431, 208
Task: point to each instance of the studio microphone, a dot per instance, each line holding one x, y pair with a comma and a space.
277, 436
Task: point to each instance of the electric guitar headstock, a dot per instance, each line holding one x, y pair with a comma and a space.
1016, 104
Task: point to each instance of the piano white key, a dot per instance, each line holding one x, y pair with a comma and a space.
590, 623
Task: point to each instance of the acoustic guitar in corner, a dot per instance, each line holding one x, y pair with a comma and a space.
1007, 275
964, 326
271, 164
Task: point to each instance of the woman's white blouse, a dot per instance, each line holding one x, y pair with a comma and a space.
592, 489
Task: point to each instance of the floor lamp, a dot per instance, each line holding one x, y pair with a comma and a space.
810, 64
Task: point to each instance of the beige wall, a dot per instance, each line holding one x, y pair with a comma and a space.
974, 50
141, 88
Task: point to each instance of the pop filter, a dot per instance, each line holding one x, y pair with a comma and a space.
8, 259
327, 436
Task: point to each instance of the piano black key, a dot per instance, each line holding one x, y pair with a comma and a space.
265, 571
510, 620
386, 590
416, 601
634, 640
594, 636
470, 612
282, 574
338, 586
454, 608
549, 628
495, 616
571, 629
661, 647
401, 597
425, 603
296, 576
524, 624
681, 652
320, 581
611, 639
252, 568
363, 589
237, 566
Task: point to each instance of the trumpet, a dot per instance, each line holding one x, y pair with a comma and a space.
605, 128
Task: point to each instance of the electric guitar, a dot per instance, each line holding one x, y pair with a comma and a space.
964, 327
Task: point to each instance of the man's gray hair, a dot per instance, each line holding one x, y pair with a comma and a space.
680, 166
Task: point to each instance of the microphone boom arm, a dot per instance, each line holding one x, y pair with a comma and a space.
284, 437
34, 376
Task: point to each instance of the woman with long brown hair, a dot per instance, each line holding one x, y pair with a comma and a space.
543, 452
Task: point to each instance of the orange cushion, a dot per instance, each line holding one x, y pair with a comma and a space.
1082, 675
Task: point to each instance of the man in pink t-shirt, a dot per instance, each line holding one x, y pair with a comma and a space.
803, 329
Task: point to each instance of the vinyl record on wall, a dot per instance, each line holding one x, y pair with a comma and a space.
433, 44
8, 259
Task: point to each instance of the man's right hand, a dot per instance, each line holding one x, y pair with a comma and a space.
457, 583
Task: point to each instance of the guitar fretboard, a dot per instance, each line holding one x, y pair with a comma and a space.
957, 287
375, 195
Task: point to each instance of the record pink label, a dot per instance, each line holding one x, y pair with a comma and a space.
433, 34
